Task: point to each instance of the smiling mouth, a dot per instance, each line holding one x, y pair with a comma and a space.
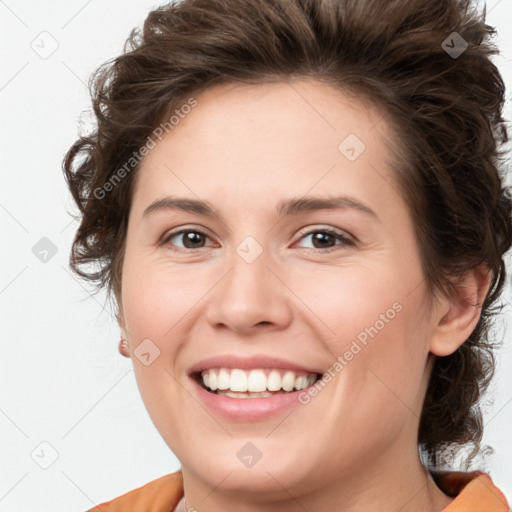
254, 383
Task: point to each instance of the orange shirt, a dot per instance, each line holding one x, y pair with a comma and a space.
474, 492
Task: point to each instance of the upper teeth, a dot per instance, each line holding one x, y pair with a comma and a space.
256, 380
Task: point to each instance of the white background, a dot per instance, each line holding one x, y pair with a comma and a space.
62, 380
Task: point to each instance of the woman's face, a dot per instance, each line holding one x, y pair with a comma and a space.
271, 290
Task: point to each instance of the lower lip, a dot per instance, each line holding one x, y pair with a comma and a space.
247, 409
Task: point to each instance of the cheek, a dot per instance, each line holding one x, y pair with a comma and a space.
157, 297
154, 304
377, 336
350, 301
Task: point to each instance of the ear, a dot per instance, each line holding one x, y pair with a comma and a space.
456, 317
124, 348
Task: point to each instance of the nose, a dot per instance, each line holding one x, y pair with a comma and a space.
250, 298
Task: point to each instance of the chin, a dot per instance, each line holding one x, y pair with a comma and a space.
277, 469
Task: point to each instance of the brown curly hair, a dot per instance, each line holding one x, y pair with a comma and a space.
444, 107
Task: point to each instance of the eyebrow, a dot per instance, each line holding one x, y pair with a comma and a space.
293, 206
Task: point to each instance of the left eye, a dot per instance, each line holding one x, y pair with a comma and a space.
325, 236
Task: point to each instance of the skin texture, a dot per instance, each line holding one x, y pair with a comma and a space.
353, 447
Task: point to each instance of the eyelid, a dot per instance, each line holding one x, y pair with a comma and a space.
184, 229
348, 238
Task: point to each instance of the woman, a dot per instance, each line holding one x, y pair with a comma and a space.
298, 208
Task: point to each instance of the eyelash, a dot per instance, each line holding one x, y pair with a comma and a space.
345, 241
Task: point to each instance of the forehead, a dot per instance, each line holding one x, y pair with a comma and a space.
306, 108
269, 139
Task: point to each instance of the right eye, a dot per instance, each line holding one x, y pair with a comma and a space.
190, 238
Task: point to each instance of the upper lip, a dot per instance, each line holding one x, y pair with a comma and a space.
244, 362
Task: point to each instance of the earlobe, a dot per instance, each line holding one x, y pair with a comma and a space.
124, 350
459, 315
123, 347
